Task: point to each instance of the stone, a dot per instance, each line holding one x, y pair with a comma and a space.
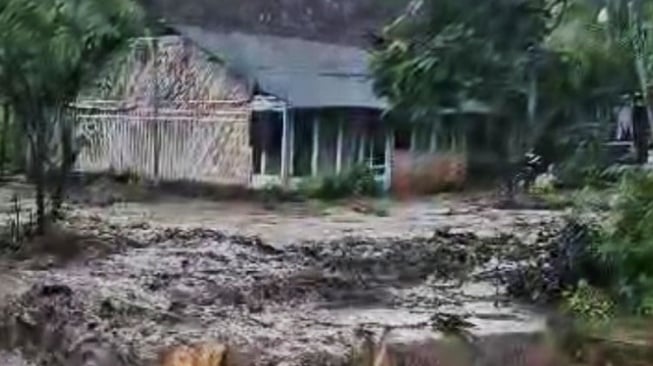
424, 348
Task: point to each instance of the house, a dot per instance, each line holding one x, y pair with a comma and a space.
245, 109
315, 112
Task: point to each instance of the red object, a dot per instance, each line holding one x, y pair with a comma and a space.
401, 177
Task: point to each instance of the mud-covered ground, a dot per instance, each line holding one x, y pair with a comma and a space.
282, 287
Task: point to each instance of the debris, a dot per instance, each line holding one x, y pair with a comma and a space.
303, 301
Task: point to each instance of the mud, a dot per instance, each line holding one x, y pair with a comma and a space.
293, 304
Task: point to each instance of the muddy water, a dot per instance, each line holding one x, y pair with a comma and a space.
288, 304
12, 284
14, 358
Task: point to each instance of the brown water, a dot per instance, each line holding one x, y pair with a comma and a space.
279, 304
303, 289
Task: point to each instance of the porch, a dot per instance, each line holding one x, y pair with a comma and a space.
290, 145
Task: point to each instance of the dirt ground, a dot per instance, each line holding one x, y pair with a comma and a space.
286, 286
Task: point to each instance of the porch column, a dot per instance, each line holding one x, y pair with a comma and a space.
291, 147
316, 146
361, 148
285, 137
434, 139
389, 150
339, 148
264, 158
413, 139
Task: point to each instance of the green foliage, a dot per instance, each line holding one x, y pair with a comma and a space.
590, 199
616, 173
593, 176
597, 65
621, 249
594, 51
588, 303
357, 181
626, 245
524, 64
49, 49
10, 142
446, 55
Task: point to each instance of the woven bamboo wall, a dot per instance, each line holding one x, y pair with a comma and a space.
175, 116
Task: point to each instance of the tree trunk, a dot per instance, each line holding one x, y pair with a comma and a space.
65, 166
641, 133
38, 157
21, 147
508, 183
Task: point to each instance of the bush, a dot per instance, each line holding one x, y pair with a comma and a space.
580, 153
358, 181
273, 194
626, 244
592, 170
589, 303
592, 200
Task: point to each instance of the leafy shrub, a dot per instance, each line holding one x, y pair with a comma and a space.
272, 194
590, 199
358, 181
627, 242
589, 303
580, 148
615, 173
592, 168
595, 177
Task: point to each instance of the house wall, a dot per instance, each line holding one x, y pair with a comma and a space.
212, 148
171, 115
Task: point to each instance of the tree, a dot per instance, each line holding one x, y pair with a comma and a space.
596, 40
446, 53
48, 50
544, 66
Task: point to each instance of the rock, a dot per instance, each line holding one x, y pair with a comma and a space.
202, 354
411, 347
